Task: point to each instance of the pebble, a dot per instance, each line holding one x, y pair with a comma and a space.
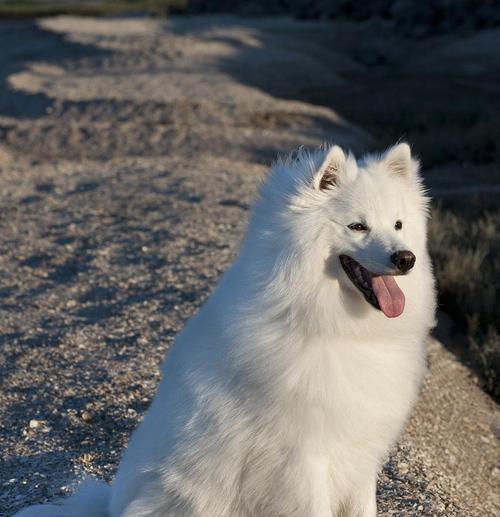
87, 416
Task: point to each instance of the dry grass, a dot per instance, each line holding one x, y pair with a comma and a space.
466, 256
444, 123
467, 133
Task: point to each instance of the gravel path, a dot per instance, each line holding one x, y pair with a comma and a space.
129, 153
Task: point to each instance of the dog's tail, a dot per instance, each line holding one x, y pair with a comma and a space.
91, 500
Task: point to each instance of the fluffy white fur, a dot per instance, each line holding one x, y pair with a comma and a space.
283, 395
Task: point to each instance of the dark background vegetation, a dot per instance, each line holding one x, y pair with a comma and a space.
34, 8
417, 18
449, 115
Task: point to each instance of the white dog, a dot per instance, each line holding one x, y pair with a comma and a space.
283, 395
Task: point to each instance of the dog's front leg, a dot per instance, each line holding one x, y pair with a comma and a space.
321, 504
364, 503
286, 482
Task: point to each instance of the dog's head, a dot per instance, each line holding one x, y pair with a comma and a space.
361, 223
373, 217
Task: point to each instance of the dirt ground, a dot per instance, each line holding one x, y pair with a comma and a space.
130, 150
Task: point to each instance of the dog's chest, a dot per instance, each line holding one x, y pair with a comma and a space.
356, 389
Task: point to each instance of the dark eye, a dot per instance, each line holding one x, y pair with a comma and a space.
358, 227
398, 225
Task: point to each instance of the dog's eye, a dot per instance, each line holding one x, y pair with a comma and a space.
398, 225
358, 227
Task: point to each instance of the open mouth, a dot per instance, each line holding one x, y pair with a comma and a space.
380, 291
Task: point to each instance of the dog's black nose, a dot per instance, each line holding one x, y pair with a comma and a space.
403, 260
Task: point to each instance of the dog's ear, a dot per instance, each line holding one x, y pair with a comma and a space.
331, 169
398, 160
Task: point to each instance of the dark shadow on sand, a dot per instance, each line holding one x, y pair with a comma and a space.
25, 42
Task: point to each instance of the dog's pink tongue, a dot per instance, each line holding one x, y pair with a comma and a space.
390, 297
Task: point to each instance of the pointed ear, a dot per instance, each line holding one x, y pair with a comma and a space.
331, 169
398, 160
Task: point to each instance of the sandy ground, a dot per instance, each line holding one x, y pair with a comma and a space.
129, 153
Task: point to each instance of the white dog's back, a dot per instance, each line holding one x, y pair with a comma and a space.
282, 396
